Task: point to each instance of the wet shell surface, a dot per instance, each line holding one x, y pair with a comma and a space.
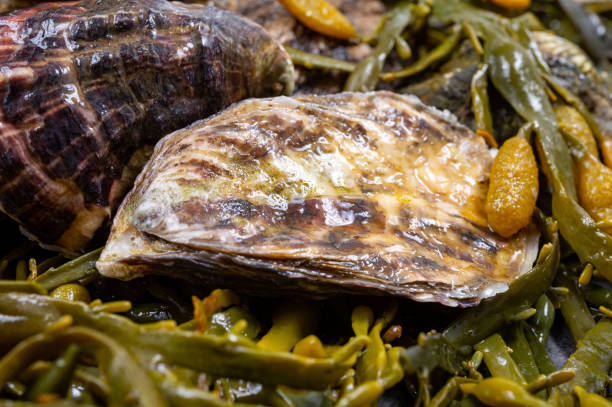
575, 70
363, 193
87, 88
571, 66
364, 15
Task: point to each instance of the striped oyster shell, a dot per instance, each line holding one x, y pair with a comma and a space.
361, 193
87, 88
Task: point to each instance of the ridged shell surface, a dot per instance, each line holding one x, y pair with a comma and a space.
364, 193
86, 86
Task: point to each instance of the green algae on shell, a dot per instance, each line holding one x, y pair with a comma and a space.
367, 193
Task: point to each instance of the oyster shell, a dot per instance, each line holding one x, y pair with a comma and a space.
571, 66
575, 70
367, 193
87, 86
365, 15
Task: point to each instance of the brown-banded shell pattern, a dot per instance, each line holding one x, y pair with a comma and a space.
86, 88
363, 193
364, 15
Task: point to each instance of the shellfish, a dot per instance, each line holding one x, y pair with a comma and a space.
365, 16
449, 89
362, 193
87, 87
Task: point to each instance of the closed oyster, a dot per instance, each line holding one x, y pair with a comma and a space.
571, 66
575, 70
86, 86
365, 16
364, 193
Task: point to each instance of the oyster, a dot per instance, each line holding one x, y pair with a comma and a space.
450, 88
88, 87
366, 193
365, 15
575, 70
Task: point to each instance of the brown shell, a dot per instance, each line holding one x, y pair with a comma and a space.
450, 87
574, 69
365, 15
368, 193
9, 5
86, 86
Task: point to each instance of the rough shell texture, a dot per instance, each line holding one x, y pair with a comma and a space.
85, 86
575, 70
369, 193
450, 88
365, 15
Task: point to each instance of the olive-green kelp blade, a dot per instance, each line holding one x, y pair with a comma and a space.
370, 193
450, 87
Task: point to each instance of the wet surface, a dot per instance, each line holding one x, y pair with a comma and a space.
87, 86
346, 192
